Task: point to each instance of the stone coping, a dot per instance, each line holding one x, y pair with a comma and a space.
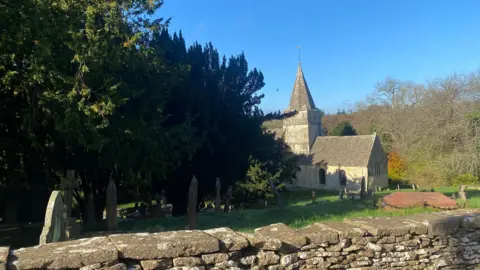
272, 238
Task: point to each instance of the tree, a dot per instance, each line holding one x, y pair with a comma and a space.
344, 128
397, 167
81, 89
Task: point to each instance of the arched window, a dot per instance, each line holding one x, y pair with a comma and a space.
322, 176
342, 176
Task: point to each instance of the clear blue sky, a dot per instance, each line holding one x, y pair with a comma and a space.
346, 46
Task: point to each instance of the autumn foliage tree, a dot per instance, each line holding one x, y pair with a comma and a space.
397, 166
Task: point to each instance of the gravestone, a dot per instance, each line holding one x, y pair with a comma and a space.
67, 185
363, 188
192, 204
90, 211
55, 225
111, 206
461, 193
218, 200
228, 199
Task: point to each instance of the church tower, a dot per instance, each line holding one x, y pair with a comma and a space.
301, 129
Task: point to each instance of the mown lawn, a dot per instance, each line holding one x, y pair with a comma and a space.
298, 212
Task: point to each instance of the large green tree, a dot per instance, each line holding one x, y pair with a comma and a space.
102, 88
344, 128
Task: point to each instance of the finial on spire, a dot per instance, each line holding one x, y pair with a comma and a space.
298, 47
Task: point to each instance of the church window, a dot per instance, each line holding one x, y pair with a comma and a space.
377, 169
322, 176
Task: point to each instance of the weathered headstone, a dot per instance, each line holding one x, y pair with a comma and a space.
90, 211
55, 225
192, 203
363, 188
313, 196
461, 193
111, 206
67, 186
218, 199
228, 199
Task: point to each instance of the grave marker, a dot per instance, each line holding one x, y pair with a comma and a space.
192, 203
218, 200
90, 211
461, 193
363, 188
54, 228
111, 205
228, 198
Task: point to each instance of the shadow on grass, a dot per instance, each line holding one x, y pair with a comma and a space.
300, 212
20, 235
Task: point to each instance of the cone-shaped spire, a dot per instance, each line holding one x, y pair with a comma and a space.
301, 98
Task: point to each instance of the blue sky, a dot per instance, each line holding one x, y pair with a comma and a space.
346, 46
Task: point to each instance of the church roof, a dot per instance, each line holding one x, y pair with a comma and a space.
301, 98
343, 150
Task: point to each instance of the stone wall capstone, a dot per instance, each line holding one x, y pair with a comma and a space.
442, 240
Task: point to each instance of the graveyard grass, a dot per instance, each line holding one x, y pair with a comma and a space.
298, 212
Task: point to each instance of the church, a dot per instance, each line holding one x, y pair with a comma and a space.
329, 162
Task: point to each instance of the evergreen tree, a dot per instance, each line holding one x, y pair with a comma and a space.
344, 128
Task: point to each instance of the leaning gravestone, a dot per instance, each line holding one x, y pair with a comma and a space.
54, 228
111, 206
192, 204
218, 200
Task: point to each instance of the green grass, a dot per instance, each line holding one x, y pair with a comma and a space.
298, 212
131, 205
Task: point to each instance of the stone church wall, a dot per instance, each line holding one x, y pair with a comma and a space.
308, 177
443, 240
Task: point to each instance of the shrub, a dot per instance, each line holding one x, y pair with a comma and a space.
465, 179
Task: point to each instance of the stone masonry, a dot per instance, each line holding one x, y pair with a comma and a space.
442, 240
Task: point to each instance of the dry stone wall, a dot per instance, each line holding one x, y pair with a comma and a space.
443, 240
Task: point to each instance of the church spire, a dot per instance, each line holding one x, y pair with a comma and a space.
301, 98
